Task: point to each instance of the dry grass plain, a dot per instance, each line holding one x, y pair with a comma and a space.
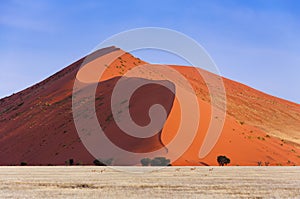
144, 182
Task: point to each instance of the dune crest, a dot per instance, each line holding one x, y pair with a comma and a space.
37, 126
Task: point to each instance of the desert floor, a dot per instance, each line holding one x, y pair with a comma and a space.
149, 182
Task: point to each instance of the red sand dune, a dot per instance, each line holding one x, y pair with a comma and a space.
37, 127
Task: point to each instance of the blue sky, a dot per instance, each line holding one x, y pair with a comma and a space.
253, 42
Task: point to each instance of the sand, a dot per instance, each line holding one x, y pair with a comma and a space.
37, 127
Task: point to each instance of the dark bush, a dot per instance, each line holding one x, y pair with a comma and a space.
103, 162
23, 164
69, 162
259, 163
98, 163
267, 163
79, 163
223, 160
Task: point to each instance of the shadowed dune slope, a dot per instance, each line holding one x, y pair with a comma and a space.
37, 127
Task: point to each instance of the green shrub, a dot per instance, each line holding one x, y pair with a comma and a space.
145, 161
160, 161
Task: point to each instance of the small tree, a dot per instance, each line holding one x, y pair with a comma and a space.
223, 160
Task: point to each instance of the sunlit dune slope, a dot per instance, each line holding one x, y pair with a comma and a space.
37, 127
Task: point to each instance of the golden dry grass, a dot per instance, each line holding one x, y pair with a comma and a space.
141, 182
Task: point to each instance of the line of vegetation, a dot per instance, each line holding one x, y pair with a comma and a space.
158, 161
